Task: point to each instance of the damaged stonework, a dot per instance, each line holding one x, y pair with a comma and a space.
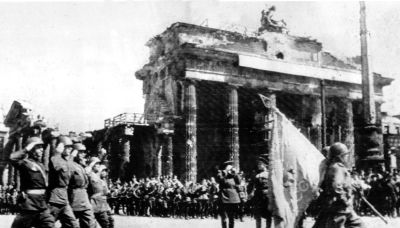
206, 82
22, 124
204, 41
283, 47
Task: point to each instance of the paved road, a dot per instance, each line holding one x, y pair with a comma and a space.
144, 222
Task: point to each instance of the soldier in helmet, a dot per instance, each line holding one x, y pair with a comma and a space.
337, 192
60, 169
80, 203
258, 189
98, 195
34, 180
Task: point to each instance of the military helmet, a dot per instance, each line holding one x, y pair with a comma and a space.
65, 140
55, 133
32, 142
95, 160
338, 149
79, 147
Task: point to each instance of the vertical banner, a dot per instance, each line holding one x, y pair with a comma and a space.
294, 172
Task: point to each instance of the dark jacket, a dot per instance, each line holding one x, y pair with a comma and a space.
59, 177
78, 188
33, 177
228, 188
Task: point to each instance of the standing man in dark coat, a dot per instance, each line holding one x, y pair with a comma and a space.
60, 168
32, 200
258, 189
228, 193
337, 191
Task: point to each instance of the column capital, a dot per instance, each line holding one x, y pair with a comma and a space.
233, 86
188, 81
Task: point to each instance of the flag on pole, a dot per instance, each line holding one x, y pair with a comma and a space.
295, 165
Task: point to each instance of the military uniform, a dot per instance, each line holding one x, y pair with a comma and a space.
32, 200
79, 198
59, 178
337, 195
260, 200
229, 197
203, 198
214, 198
98, 199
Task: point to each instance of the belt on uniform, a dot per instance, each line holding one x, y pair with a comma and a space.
35, 191
96, 195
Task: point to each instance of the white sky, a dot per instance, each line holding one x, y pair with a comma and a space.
75, 61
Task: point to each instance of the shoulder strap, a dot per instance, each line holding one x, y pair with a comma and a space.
40, 168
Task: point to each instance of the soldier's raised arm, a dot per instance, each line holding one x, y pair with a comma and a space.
18, 156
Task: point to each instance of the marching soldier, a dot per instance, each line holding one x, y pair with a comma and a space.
98, 197
337, 192
60, 168
103, 177
80, 204
229, 195
258, 189
32, 199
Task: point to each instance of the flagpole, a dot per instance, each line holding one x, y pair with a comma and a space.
370, 134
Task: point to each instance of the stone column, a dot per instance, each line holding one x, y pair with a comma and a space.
233, 114
123, 157
348, 131
316, 122
170, 162
191, 132
11, 169
159, 161
17, 178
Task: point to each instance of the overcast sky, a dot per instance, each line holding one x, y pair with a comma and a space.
75, 62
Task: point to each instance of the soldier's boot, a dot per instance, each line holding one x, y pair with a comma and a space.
258, 221
223, 223
231, 222
269, 221
110, 220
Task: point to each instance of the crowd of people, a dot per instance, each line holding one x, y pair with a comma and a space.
75, 190
381, 189
165, 197
8, 199
168, 197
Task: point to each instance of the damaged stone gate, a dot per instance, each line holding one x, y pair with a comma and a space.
203, 83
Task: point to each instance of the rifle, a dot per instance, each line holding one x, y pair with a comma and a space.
374, 210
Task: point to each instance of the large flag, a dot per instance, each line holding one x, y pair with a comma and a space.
295, 166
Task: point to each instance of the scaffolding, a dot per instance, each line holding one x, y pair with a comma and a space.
131, 119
